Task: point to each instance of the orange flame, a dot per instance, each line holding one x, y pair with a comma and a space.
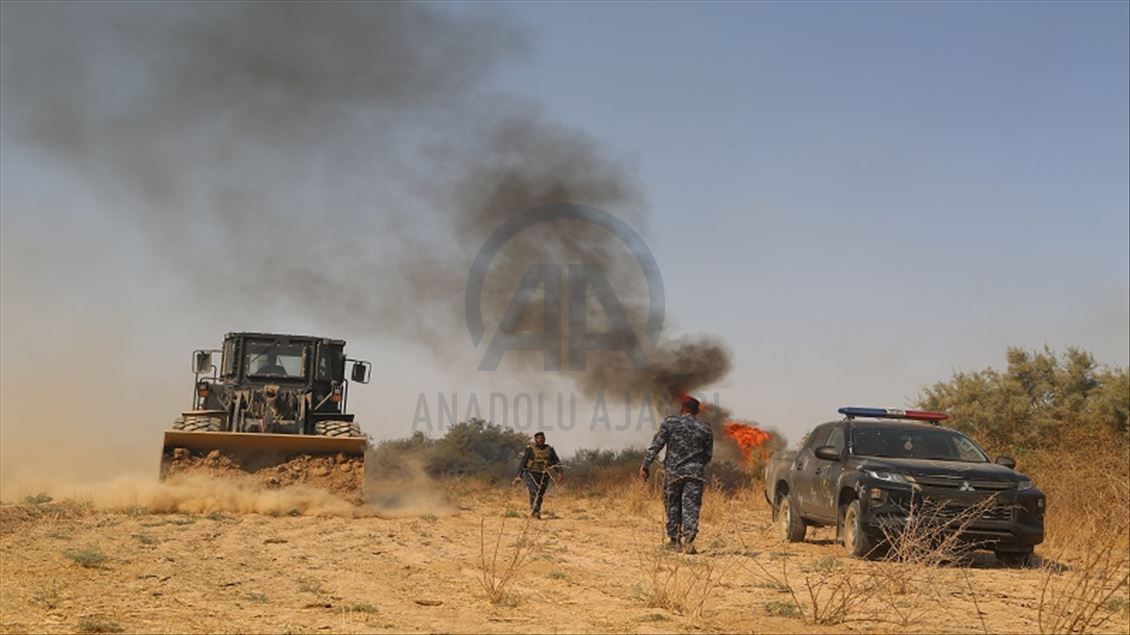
748, 438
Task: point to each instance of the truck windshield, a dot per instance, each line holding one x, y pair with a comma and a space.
915, 443
275, 359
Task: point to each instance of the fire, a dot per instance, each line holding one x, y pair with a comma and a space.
748, 438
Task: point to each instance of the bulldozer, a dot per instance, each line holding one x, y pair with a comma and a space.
274, 400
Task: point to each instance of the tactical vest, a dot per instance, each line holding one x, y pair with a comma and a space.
539, 459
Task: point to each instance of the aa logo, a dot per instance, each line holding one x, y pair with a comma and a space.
570, 280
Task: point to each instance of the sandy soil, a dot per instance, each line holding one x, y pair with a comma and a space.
594, 565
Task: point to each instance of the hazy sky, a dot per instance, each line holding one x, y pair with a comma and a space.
858, 198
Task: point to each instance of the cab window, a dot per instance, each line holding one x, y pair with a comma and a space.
836, 439
818, 437
329, 364
275, 360
228, 363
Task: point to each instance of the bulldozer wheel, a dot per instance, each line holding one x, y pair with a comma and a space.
199, 423
337, 429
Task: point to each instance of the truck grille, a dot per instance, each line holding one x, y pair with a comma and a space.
951, 510
955, 482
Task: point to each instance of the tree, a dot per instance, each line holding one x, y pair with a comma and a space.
477, 448
1040, 400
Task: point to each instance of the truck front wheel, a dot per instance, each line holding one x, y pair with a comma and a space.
789, 523
856, 540
1015, 559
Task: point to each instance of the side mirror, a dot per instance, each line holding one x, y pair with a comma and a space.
360, 373
203, 362
1006, 461
828, 453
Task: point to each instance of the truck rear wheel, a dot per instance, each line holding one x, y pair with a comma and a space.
199, 423
790, 526
337, 429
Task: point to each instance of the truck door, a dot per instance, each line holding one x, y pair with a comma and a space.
807, 471
827, 476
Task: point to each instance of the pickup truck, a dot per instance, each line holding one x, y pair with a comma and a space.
867, 470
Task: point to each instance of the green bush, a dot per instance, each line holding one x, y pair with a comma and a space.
1040, 401
473, 448
477, 448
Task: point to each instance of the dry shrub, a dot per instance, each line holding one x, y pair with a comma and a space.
14, 518
929, 538
930, 534
1087, 483
829, 594
904, 589
1085, 586
88, 557
717, 503
1095, 588
97, 625
637, 497
679, 583
497, 571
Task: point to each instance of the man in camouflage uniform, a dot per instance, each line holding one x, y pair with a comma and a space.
539, 465
690, 446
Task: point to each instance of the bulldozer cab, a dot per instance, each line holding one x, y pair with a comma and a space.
271, 395
255, 360
265, 358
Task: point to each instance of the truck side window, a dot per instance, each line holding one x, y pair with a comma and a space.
818, 437
836, 439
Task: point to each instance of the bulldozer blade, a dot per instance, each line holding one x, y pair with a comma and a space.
253, 450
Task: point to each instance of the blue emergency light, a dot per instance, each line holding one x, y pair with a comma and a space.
893, 413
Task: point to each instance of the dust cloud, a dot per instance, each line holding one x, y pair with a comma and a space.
204, 494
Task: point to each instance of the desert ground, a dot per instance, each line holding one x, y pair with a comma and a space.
468, 560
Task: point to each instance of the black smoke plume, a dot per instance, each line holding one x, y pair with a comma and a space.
343, 161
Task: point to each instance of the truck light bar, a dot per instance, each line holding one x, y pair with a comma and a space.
893, 413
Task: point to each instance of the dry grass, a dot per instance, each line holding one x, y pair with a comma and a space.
829, 593
681, 584
637, 497
498, 571
930, 536
88, 557
97, 625
1086, 585
1087, 488
907, 583
716, 503
1092, 592
904, 589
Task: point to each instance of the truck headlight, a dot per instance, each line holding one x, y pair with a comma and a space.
890, 477
1023, 484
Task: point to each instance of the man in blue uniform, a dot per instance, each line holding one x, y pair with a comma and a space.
690, 446
539, 465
